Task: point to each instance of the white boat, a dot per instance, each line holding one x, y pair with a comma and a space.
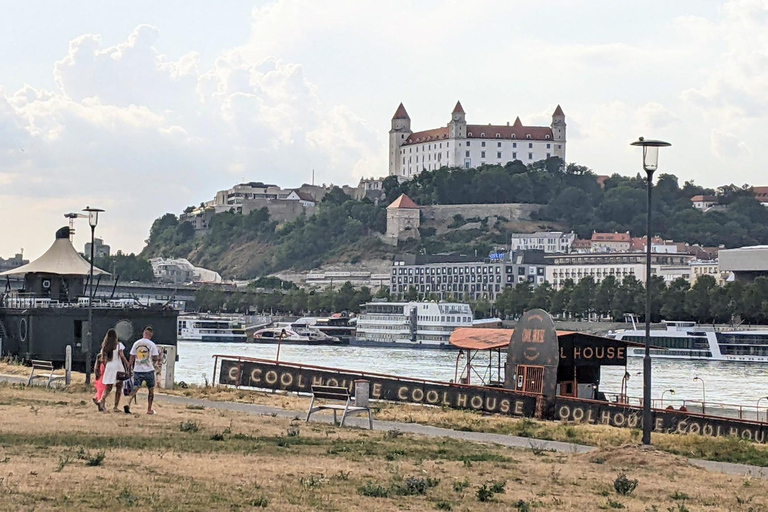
298, 333
410, 324
222, 329
690, 341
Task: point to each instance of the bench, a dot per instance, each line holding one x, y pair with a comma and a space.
338, 394
45, 366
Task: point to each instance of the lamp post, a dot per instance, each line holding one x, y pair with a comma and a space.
670, 391
703, 394
650, 164
758, 408
93, 220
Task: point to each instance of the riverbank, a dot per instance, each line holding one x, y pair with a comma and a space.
57, 453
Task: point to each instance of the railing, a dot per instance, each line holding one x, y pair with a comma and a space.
717, 409
30, 301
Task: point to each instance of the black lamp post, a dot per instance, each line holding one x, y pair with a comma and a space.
650, 164
93, 220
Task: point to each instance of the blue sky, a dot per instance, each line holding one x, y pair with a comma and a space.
146, 107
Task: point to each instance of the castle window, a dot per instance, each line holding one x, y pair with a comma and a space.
514, 144
548, 146
530, 145
482, 134
530, 156
498, 154
546, 137
559, 146
528, 136
514, 136
498, 135
469, 134
482, 143
482, 154
548, 155
467, 143
467, 154
447, 144
514, 156
498, 144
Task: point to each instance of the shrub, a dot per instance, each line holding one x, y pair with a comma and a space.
461, 485
624, 485
373, 490
484, 493
95, 460
189, 426
498, 487
260, 502
218, 436
443, 505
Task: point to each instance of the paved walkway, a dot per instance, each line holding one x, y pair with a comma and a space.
425, 430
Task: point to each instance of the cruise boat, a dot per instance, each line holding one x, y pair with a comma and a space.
410, 324
295, 333
221, 329
690, 341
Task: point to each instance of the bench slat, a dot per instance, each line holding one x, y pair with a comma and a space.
331, 396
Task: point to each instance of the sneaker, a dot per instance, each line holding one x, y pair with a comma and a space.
127, 409
151, 411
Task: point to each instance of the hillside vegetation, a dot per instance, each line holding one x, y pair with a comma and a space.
348, 230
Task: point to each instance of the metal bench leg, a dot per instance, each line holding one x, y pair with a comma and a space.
344, 416
309, 412
50, 379
370, 419
335, 421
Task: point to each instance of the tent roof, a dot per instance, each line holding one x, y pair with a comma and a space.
60, 259
471, 338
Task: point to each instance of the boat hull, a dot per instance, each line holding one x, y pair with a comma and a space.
360, 342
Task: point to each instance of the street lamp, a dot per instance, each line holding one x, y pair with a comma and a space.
703, 393
670, 391
650, 164
758, 408
93, 220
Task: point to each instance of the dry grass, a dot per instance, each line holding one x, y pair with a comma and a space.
233, 461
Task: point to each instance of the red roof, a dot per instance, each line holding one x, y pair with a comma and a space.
474, 338
558, 111
516, 131
304, 196
403, 202
427, 135
581, 244
401, 113
611, 237
458, 108
601, 180
707, 199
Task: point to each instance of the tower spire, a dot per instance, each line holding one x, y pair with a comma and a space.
400, 113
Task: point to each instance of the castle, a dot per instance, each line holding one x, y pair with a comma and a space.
470, 145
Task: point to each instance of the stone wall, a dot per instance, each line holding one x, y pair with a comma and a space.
279, 210
443, 214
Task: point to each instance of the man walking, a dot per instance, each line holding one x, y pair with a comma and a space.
144, 354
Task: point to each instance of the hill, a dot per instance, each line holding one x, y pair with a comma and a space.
348, 231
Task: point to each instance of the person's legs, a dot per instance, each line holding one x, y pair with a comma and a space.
118, 394
150, 400
104, 397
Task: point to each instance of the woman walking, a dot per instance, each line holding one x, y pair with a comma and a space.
114, 363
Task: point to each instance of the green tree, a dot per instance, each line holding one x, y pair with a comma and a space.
541, 297
582, 300
605, 296
697, 299
673, 300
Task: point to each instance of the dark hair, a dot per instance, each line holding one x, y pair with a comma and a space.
149, 328
109, 345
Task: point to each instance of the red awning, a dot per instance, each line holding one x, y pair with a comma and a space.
473, 338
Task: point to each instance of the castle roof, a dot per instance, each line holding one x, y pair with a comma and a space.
404, 202
558, 111
400, 113
458, 109
485, 131
611, 237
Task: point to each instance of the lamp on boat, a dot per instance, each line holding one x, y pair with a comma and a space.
703, 393
670, 391
650, 164
93, 220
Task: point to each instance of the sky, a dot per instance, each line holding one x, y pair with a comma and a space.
143, 107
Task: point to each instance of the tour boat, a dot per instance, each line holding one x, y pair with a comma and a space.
690, 341
294, 334
223, 329
410, 324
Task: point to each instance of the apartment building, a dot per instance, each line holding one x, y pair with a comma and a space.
547, 241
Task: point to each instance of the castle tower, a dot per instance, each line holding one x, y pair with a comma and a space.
403, 218
558, 132
457, 128
401, 130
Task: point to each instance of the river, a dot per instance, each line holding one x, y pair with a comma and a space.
724, 382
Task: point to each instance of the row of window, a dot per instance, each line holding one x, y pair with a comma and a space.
486, 269
447, 288
438, 280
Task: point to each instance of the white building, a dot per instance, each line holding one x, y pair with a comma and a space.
470, 145
704, 203
180, 271
620, 265
547, 241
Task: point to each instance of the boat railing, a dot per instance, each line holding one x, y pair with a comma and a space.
31, 301
757, 412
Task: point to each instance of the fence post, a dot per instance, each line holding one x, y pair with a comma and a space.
68, 365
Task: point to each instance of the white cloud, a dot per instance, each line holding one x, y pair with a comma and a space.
727, 146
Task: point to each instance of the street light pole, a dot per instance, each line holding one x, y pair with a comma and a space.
670, 391
650, 164
758, 408
93, 220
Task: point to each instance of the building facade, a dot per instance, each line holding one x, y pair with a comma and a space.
611, 242
100, 249
464, 278
16, 261
460, 144
576, 266
547, 241
403, 219
745, 263
180, 271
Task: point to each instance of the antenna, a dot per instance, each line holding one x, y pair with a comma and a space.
72, 217
313, 177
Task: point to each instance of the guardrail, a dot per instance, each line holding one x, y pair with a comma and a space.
718, 409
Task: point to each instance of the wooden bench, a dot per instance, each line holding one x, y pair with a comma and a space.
45, 366
338, 394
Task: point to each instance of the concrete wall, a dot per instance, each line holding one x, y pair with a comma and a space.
279, 210
443, 214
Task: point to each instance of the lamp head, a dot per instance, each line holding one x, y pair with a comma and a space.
93, 215
650, 152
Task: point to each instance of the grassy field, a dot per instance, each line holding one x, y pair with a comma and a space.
58, 453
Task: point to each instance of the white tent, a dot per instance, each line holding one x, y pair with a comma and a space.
60, 259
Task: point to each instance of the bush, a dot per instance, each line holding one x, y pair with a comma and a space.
624, 485
260, 502
373, 490
484, 493
95, 460
189, 426
498, 487
461, 485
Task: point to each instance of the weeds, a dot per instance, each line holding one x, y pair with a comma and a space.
293, 431
680, 507
217, 436
64, 460
677, 495
461, 485
523, 506
260, 502
624, 485
484, 494
126, 498
95, 460
499, 487
373, 490
393, 434
443, 505
311, 482
189, 426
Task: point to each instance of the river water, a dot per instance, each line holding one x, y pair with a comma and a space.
724, 382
